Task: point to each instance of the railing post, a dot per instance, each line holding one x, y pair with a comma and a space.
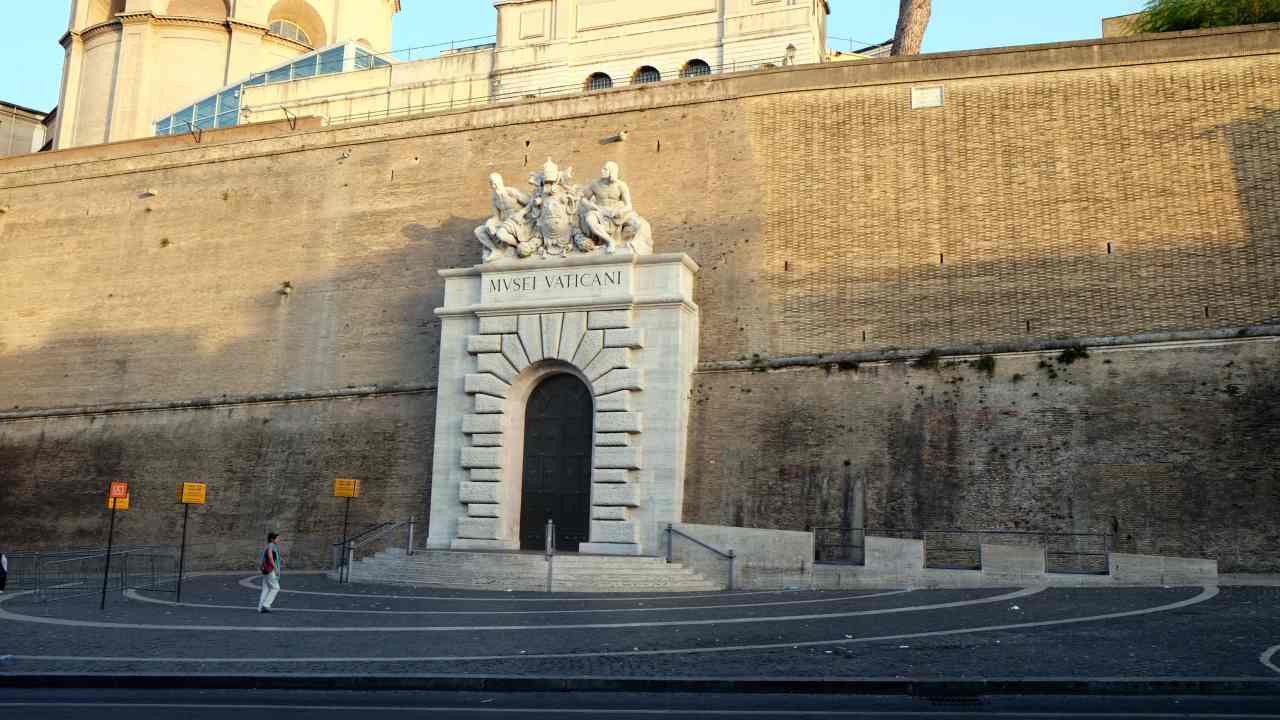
408, 550
732, 556
551, 551
670, 539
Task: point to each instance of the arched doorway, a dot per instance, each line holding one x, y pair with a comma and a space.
557, 464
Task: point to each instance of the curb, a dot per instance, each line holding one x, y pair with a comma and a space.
933, 687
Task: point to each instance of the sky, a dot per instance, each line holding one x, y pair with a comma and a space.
31, 58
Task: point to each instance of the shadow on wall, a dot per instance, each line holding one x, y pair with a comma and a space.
1254, 146
269, 463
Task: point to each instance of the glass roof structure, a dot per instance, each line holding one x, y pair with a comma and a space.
222, 109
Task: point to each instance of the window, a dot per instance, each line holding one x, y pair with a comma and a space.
364, 59
306, 67
291, 31
331, 61
599, 81
646, 74
695, 68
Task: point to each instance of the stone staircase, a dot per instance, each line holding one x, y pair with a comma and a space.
527, 572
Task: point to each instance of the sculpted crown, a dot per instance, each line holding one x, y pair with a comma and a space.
559, 219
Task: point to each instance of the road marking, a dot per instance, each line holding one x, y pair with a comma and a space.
135, 595
17, 617
499, 596
1206, 593
1267, 655
698, 711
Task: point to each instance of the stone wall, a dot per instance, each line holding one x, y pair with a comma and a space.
1097, 188
1174, 449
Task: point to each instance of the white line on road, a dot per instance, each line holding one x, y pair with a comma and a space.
699, 711
1206, 593
135, 595
17, 617
1267, 656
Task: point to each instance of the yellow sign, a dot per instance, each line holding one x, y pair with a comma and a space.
346, 488
118, 490
118, 503
193, 493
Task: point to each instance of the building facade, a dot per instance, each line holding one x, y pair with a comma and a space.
1044, 299
130, 62
22, 130
547, 47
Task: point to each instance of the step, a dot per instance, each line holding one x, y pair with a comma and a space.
528, 571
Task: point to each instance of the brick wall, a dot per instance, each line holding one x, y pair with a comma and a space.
819, 205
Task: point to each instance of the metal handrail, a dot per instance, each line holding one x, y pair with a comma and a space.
347, 552
81, 584
729, 555
363, 533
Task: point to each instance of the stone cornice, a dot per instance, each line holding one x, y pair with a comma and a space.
248, 26
136, 18
188, 21
94, 30
287, 42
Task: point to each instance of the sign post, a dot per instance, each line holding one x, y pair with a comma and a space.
345, 488
191, 494
117, 499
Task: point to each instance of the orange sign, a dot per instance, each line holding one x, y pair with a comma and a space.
118, 490
193, 493
346, 488
114, 503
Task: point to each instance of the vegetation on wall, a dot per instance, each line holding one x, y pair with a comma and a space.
1173, 15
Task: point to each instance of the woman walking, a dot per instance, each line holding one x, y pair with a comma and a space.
271, 563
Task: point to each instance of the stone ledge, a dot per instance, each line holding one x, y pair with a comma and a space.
478, 492
481, 424
619, 401
479, 529
616, 380
499, 325
485, 384
619, 422
607, 360
632, 338
482, 510
614, 494
481, 457
477, 344
609, 320
611, 476
613, 531
626, 458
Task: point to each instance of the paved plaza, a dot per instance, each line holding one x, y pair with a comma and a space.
320, 626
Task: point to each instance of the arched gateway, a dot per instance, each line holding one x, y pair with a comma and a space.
557, 464
566, 366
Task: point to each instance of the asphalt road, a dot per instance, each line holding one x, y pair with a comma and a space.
320, 627
252, 705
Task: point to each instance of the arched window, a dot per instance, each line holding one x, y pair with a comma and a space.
694, 68
308, 26
646, 74
290, 30
599, 81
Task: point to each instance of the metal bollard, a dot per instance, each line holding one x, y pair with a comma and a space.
551, 550
408, 550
